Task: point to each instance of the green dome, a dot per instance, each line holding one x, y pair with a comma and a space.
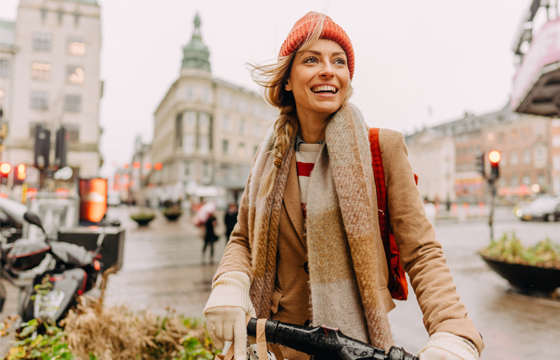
195, 54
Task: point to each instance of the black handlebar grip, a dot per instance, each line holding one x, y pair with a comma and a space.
323, 342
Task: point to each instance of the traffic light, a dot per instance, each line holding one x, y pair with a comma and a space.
5, 169
42, 147
20, 173
480, 165
494, 157
61, 148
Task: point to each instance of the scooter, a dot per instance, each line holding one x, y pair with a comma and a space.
323, 342
66, 271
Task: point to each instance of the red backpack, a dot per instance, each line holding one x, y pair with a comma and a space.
397, 280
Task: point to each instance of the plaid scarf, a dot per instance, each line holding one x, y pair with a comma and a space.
341, 230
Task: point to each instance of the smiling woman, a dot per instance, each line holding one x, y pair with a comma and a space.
308, 246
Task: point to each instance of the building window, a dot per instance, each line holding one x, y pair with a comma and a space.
73, 103
179, 130
205, 169
75, 74
540, 155
257, 129
73, 133
242, 106
556, 141
257, 110
190, 118
541, 180
190, 93
539, 129
514, 135
555, 123
225, 145
203, 120
41, 71
556, 162
4, 68
514, 159
207, 95
39, 100
241, 150
203, 145
503, 162
514, 181
527, 156
188, 168
503, 182
242, 126
42, 41
526, 180
226, 123
225, 101
76, 46
188, 144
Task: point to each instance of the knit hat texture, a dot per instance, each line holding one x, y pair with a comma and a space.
305, 26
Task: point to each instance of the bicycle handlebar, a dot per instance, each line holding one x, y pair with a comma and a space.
323, 342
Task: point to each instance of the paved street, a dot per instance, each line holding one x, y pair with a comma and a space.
163, 269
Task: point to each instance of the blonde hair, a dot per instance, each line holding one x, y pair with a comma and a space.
273, 78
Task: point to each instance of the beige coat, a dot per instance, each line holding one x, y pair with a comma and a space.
422, 255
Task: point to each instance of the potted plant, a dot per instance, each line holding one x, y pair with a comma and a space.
172, 213
532, 269
143, 218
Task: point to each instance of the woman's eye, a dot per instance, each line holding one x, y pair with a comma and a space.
310, 60
340, 62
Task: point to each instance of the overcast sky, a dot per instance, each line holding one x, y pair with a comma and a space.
411, 55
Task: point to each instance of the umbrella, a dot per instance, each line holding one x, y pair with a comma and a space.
204, 213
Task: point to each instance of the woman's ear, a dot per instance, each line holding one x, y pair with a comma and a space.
288, 86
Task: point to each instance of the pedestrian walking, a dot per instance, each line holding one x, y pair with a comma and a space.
230, 219
309, 244
209, 236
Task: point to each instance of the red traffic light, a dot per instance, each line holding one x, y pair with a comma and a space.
5, 168
20, 172
494, 157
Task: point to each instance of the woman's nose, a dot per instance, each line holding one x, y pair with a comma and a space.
327, 71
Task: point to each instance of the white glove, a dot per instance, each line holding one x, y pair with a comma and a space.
226, 311
446, 346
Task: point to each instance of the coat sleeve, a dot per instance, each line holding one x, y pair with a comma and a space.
237, 256
421, 254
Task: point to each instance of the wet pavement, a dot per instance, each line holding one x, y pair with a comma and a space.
163, 269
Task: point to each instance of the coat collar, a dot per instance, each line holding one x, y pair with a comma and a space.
292, 201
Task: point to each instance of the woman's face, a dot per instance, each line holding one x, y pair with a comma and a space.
319, 78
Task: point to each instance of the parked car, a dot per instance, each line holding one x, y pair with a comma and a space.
546, 208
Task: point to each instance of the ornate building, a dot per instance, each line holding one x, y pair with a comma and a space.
206, 130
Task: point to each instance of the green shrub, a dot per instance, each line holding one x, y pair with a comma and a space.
509, 249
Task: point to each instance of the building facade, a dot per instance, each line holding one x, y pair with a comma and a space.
526, 142
432, 156
54, 80
525, 167
206, 130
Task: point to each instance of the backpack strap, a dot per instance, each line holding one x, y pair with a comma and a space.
379, 174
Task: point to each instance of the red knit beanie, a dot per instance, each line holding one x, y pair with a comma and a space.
331, 31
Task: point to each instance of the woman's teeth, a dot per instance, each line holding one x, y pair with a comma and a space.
324, 88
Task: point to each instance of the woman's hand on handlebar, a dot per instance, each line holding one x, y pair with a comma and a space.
227, 309
446, 346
